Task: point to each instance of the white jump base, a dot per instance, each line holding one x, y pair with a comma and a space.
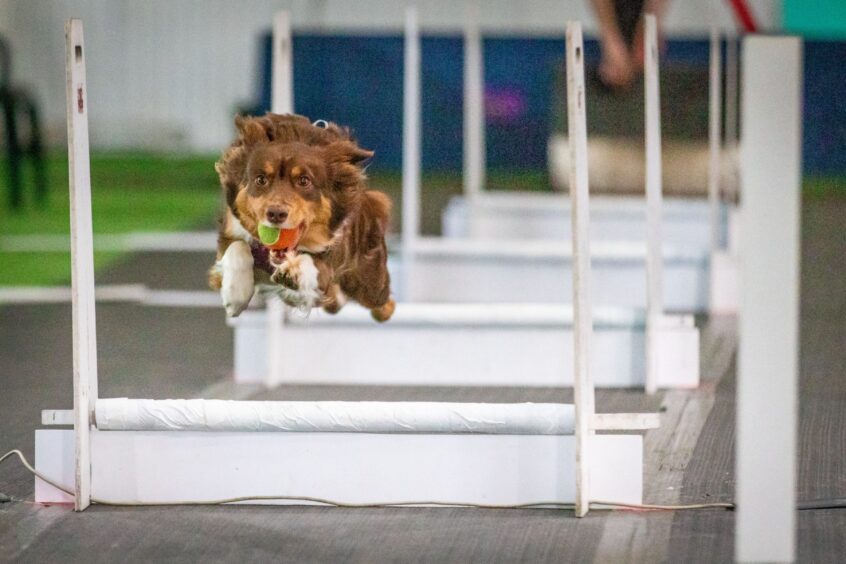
526, 215
461, 345
472, 271
354, 452
170, 466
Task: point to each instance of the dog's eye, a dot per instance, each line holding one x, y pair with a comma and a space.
261, 180
303, 181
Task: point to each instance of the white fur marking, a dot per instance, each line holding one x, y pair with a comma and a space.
238, 283
239, 231
302, 270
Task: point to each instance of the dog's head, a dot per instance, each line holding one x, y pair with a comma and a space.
285, 173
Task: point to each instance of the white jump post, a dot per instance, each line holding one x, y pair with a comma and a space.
82, 261
583, 320
714, 134
282, 94
767, 402
474, 104
410, 146
282, 102
732, 79
654, 255
672, 341
723, 284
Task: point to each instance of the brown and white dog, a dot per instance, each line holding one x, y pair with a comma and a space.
284, 172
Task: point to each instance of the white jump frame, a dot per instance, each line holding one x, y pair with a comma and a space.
670, 357
125, 465
472, 259
663, 332
492, 214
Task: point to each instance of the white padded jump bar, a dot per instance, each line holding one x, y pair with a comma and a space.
123, 414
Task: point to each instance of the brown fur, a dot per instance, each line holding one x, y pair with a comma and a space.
345, 223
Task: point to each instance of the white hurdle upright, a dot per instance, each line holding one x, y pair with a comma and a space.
82, 265
282, 102
669, 339
410, 149
768, 353
582, 306
308, 452
723, 271
474, 104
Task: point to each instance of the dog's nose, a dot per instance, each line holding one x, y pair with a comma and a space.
276, 214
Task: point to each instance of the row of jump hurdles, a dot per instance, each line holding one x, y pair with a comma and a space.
584, 310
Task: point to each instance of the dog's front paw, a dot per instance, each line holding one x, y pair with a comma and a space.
287, 274
234, 301
297, 274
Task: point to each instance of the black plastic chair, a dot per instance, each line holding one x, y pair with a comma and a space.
20, 113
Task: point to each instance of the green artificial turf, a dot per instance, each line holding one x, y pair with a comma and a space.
144, 192
130, 192
824, 187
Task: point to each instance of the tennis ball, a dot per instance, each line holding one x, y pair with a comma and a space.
279, 239
268, 235
288, 238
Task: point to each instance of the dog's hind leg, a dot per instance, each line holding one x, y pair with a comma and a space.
384, 311
237, 281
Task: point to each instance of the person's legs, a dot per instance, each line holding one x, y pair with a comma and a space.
615, 69
657, 8
13, 149
621, 36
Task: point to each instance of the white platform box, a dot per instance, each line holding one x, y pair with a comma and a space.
526, 215
455, 345
169, 466
472, 270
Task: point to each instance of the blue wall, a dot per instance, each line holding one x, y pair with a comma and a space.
825, 107
357, 81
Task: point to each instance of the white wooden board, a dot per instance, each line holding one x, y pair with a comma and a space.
515, 215
446, 345
452, 270
165, 466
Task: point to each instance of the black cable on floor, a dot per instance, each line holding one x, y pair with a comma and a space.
832, 503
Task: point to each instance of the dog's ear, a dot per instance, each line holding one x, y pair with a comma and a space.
344, 159
347, 152
232, 165
250, 131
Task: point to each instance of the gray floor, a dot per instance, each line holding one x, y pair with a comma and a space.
186, 353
